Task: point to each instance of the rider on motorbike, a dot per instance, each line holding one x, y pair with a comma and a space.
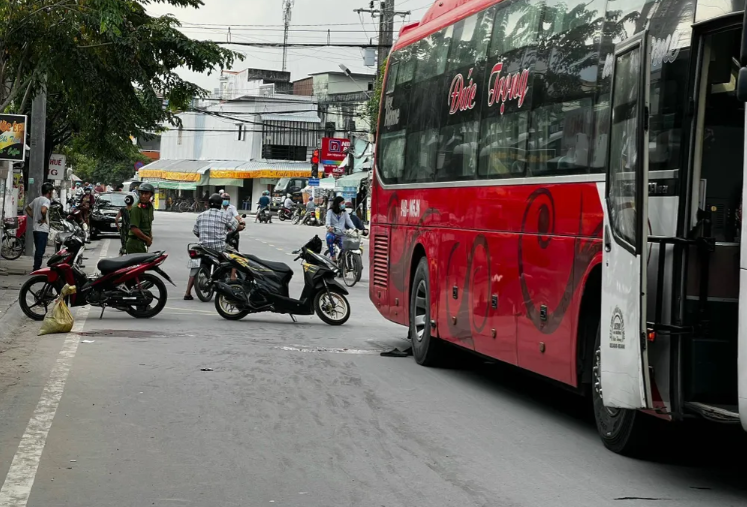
211, 228
337, 222
288, 204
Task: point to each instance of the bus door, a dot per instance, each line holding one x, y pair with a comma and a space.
624, 361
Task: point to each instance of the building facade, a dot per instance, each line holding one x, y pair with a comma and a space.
247, 135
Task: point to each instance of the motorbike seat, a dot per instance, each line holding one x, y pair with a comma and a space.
125, 261
279, 267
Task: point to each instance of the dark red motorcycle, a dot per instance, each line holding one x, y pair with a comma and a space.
124, 284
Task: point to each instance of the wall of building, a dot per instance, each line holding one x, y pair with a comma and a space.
304, 87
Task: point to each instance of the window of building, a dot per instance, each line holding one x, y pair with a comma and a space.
284, 152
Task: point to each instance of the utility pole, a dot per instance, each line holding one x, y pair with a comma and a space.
37, 164
386, 14
287, 10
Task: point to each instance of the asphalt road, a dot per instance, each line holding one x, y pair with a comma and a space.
125, 416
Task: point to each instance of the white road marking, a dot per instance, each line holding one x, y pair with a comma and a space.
17, 486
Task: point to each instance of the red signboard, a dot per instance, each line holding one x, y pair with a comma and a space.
334, 151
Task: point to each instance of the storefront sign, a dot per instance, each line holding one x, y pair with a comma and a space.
57, 167
334, 152
13, 137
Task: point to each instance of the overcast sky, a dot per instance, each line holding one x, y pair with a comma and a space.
262, 22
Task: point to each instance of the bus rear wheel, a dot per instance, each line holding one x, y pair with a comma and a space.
426, 348
623, 431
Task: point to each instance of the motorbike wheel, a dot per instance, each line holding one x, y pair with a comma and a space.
332, 307
12, 248
203, 286
296, 218
281, 216
147, 282
36, 296
226, 308
349, 265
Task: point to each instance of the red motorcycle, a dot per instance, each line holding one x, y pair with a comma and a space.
124, 283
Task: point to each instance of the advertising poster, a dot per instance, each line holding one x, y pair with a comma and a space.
13, 137
334, 152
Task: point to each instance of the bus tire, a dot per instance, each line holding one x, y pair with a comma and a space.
623, 431
426, 348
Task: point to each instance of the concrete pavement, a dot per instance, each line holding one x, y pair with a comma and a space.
304, 414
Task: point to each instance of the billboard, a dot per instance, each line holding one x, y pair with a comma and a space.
334, 152
13, 137
57, 167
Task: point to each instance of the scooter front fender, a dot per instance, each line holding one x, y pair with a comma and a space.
331, 282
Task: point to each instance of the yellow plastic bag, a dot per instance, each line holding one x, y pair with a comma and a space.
59, 319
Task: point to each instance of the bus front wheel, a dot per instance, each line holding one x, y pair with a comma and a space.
622, 431
427, 349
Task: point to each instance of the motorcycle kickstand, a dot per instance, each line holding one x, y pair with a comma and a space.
292, 317
103, 307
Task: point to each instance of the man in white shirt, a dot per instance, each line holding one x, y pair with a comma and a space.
288, 202
37, 210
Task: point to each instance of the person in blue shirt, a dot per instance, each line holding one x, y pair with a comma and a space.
337, 222
264, 201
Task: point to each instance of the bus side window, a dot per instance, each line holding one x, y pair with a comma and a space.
503, 144
392, 156
406, 70
516, 26
391, 79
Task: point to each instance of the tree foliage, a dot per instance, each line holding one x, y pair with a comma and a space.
108, 66
109, 170
374, 103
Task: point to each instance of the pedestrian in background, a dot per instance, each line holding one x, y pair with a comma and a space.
140, 236
37, 210
124, 217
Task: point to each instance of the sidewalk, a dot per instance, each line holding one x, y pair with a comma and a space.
13, 274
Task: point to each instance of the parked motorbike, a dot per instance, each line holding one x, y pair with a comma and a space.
264, 287
76, 216
125, 283
208, 260
264, 216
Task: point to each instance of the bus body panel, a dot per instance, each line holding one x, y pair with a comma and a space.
503, 258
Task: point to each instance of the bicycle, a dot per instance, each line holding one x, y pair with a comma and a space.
350, 259
14, 238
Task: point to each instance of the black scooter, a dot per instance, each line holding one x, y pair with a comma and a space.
263, 287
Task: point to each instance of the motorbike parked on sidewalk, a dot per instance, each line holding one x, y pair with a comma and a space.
263, 287
125, 283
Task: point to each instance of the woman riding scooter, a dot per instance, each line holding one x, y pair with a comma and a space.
337, 222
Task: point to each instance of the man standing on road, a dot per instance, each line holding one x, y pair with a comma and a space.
211, 228
37, 210
141, 222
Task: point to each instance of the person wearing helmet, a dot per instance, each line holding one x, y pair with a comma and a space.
37, 210
264, 203
211, 228
123, 222
140, 236
288, 204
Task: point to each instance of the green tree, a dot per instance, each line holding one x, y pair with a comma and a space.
108, 66
109, 171
374, 103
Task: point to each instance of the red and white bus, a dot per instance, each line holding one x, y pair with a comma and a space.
558, 186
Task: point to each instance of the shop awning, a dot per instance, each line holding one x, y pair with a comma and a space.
173, 170
260, 169
352, 180
226, 182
